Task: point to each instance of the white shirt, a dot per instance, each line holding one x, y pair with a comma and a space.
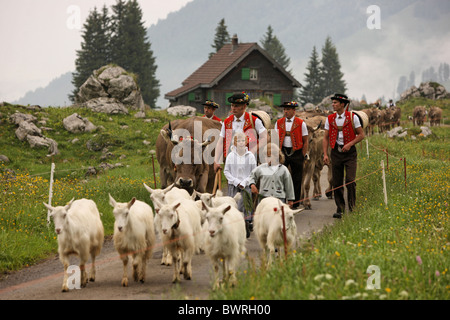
287, 139
238, 168
238, 126
340, 119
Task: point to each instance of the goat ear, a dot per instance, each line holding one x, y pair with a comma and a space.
205, 206
112, 202
226, 209
175, 207
130, 204
67, 207
157, 205
148, 188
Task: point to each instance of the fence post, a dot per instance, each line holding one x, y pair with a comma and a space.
387, 159
404, 165
154, 174
384, 182
50, 192
367, 148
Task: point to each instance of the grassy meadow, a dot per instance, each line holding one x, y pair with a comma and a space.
408, 239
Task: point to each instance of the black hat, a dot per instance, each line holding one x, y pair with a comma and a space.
290, 104
340, 97
210, 103
239, 98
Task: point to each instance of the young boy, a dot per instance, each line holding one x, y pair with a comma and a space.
238, 166
273, 177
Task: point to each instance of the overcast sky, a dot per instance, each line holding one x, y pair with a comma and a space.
39, 39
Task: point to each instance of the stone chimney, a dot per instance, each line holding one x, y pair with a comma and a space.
234, 43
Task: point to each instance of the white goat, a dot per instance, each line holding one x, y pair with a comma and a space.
134, 234
164, 196
269, 225
167, 195
215, 200
80, 232
181, 229
226, 240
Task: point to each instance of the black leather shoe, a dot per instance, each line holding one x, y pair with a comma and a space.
337, 215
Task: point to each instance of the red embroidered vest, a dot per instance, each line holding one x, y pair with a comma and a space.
228, 123
347, 129
214, 118
295, 133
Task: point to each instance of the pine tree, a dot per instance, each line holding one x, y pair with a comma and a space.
273, 46
221, 38
331, 75
131, 49
310, 92
94, 51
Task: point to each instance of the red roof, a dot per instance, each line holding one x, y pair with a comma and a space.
218, 66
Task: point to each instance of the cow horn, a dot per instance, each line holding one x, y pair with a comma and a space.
169, 130
207, 142
318, 127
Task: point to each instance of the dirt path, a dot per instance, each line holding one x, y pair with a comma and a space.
44, 280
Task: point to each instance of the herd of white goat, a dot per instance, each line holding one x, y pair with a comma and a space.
185, 227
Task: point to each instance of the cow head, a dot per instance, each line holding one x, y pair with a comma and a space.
190, 167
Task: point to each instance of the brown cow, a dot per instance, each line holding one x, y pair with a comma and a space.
419, 114
386, 119
374, 115
397, 116
435, 116
312, 168
186, 166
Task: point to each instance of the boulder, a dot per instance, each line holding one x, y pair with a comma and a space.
113, 86
18, 117
26, 129
38, 142
106, 105
76, 124
183, 111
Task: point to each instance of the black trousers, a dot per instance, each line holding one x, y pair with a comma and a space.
344, 165
295, 164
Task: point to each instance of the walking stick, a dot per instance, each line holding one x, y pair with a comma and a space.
217, 181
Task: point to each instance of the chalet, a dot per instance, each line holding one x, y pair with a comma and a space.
235, 68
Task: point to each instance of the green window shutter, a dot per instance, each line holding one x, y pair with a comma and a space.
245, 73
209, 95
191, 96
276, 99
227, 95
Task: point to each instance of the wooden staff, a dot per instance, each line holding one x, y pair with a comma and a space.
218, 181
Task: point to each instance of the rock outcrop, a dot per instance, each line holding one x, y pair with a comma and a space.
112, 90
429, 90
76, 124
28, 131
